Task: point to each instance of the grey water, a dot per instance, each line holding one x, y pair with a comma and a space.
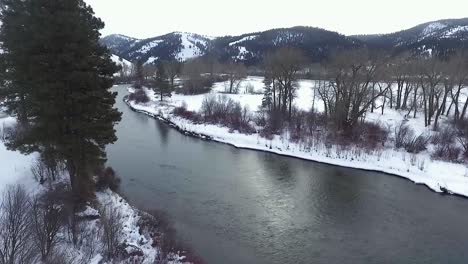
241, 206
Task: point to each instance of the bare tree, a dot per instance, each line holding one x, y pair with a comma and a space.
46, 222
353, 75
111, 226
235, 72
459, 74
430, 79
172, 70
283, 67
15, 227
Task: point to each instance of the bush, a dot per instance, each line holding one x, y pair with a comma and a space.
417, 144
139, 97
227, 112
196, 86
447, 153
111, 226
15, 226
445, 137
107, 179
249, 89
372, 134
403, 134
275, 122
186, 114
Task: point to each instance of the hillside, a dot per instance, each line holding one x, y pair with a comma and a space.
440, 36
316, 43
250, 48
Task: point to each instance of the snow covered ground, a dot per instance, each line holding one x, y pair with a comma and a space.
15, 168
420, 168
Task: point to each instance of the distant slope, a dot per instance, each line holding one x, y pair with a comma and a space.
250, 48
441, 35
176, 45
125, 65
316, 43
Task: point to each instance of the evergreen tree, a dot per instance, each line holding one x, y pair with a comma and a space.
160, 83
267, 99
139, 75
57, 79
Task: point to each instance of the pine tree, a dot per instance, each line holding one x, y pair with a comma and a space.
57, 80
267, 99
160, 83
139, 75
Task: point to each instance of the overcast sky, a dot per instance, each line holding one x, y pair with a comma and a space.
149, 18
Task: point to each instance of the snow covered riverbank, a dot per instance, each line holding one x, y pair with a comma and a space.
135, 238
439, 176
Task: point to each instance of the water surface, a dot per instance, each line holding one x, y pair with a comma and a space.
242, 206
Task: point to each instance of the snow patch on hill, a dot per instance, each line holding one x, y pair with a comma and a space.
243, 40
148, 46
456, 30
432, 28
189, 48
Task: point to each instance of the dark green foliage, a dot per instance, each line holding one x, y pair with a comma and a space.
57, 82
107, 179
267, 99
139, 75
160, 83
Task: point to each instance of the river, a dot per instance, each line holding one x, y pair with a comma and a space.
242, 206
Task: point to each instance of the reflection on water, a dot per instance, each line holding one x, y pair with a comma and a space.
240, 206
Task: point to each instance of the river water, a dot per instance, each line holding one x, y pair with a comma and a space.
242, 206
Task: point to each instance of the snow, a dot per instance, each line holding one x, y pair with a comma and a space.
433, 27
189, 49
15, 168
151, 60
122, 62
419, 168
130, 234
148, 46
243, 40
454, 31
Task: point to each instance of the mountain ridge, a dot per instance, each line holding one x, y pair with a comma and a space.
316, 43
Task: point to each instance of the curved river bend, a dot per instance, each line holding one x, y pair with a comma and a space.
241, 206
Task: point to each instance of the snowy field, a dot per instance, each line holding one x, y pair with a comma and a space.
15, 168
420, 168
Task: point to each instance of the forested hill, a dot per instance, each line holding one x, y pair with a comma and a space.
436, 36
317, 44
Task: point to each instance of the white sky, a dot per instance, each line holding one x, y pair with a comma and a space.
149, 18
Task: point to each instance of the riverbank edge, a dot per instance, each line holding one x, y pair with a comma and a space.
442, 190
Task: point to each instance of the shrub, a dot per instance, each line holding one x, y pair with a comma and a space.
186, 114
275, 121
15, 226
417, 144
403, 134
372, 134
462, 135
107, 179
111, 226
447, 152
445, 137
315, 121
249, 89
196, 86
139, 97
227, 112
